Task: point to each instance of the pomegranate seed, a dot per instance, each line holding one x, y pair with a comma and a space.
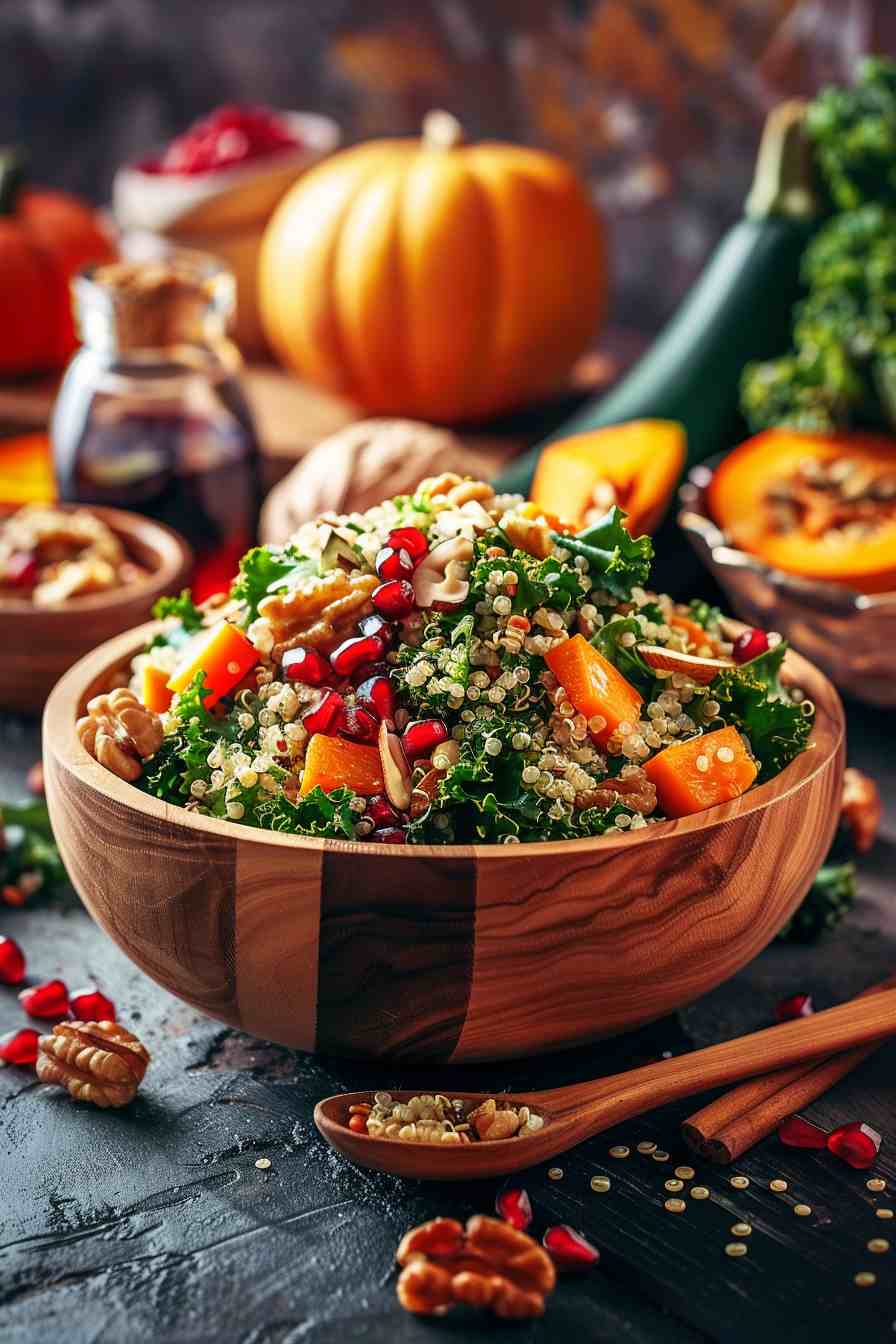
422, 736
394, 599
368, 670
12, 961
13, 895
358, 1124
390, 835
569, 1249
381, 812
21, 569
359, 725
91, 1005
19, 1047
377, 695
856, 1144
307, 666
375, 625
326, 715
353, 653
798, 1005
47, 1000
749, 645
392, 563
799, 1133
515, 1207
409, 539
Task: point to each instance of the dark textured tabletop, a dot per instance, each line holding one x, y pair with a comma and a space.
154, 1223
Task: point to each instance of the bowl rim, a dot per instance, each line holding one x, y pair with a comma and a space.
695, 521
59, 737
175, 559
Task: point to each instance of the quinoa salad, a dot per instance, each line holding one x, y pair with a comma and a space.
449, 667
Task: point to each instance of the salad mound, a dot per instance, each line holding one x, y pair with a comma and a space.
458, 667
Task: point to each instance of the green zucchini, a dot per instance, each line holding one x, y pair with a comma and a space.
740, 309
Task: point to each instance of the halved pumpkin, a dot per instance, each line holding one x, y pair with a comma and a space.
640, 462
740, 501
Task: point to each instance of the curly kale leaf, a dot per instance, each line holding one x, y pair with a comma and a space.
617, 561
267, 569
540, 583
854, 131
704, 614
626, 658
183, 755
827, 901
316, 813
752, 698
184, 612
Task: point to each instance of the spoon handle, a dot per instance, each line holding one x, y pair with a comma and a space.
597, 1105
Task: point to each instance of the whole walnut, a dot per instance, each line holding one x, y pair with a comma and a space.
360, 466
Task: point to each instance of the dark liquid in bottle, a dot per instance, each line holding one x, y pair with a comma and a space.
189, 459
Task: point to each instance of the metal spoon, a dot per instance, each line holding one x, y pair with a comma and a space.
575, 1113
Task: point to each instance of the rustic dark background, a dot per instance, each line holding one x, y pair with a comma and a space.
659, 102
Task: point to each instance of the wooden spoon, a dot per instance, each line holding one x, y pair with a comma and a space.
575, 1113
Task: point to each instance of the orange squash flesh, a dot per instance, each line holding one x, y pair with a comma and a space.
682, 788
333, 763
737, 500
225, 655
642, 460
594, 685
154, 691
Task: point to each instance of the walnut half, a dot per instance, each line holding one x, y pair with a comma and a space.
120, 733
99, 1062
487, 1264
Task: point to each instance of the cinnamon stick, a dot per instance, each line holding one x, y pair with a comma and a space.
737, 1120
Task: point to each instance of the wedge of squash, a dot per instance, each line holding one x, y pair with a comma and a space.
334, 763
702, 772
595, 687
741, 501
635, 465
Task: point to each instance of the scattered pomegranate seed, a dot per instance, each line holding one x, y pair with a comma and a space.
375, 625
799, 1133
358, 1123
307, 666
798, 1005
392, 563
326, 715
359, 725
47, 1000
409, 539
13, 895
381, 812
91, 1005
422, 736
19, 1047
390, 835
394, 599
354, 653
12, 961
377, 695
749, 645
515, 1207
569, 1249
856, 1144
21, 569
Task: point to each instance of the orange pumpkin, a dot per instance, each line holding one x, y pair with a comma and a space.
742, 500
45, 237
433, 279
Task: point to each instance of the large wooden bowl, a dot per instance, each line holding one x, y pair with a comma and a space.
40, 643
461, 952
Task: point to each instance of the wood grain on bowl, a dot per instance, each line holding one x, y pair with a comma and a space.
40, 643
476, 952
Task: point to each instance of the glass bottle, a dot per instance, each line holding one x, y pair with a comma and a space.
151, 415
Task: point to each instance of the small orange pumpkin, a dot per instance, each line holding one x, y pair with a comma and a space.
434, 279
45, 237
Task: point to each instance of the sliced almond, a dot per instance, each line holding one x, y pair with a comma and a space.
701, 670
396, 772
424, 793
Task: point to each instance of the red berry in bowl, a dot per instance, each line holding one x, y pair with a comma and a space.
856, 1144
394, 599
19, 1047
390, 835
307, 666
381, 812
394, 563
377, 695
91, 1005
359, 724
749, 645
354, 653
409, 539
422, 736
49, 1000
12, 961
326, 715
798, 1005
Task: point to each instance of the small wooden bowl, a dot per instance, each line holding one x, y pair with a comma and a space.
460, 952
40, 643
